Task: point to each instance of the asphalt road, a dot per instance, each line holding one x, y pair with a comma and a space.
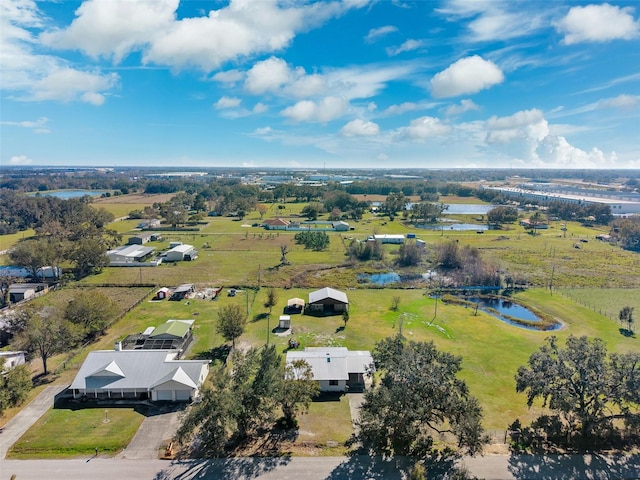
490, 467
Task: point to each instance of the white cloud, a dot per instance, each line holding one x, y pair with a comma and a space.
465, 105
228, 102
598, 23
38, 126
407, 46
425, 127
495, 19
114, 28
327, 109
527, 137
263, 131
20, 160
467, 75
375, 33
625, 102
229, 77
360, 128
30, 76
407, 107
267, 76
260, 108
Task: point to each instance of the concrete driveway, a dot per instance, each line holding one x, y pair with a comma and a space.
18, 425
160, 424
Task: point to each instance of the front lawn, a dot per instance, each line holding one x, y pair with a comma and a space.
77, 430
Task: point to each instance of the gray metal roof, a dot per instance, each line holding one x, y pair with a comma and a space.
131, 251
333, 363
139, 369
328, 292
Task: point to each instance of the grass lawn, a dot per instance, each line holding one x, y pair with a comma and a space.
77, 430
317, 435
10, 240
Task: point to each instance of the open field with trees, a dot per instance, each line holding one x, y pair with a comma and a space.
569, 276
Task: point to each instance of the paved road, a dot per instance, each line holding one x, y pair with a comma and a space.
18, 425
491, 467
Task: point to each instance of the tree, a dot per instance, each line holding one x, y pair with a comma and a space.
93, 311
232, 320
409, 255
46, 333
418, 396
15, 385
345, 317
272, 299
394, 203
32, 255
316, 241
626, 316
284, 249
311, 211
262, 209
427, 211
502, 214
89, 255
297, 390
588, 388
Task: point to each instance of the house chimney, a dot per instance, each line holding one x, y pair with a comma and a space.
118, 346
328, 358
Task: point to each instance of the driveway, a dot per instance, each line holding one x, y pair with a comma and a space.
160, 425
18, 425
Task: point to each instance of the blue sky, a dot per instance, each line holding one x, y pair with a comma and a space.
357, 83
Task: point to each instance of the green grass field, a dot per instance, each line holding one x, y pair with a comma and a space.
591, 284
77, 431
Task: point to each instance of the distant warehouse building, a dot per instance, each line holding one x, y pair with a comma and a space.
180, 253
619, 206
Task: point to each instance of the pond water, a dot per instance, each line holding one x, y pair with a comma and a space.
507, 307
453, 226
382, 279
463, 208
66, 194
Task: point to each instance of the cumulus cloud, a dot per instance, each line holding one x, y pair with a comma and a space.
229, 77
598, 23
527, 137
360, 128
114, 28
376, 33
327, 109
260, 108
467, 75
30, 76
228, 102
405, 107
425, 127
268, 75
243, 28
407, 46
464, 106
20, 160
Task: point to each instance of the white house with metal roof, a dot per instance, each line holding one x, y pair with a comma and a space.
335, 368
129, 255
139, 374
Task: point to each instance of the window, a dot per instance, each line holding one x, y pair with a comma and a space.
333, 383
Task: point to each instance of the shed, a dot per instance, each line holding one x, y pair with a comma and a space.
294, 305
24, 291
162, 293
181, 252
182, 291
328, 301
340, 226
139, 239
129, 254
12, 359
285, 322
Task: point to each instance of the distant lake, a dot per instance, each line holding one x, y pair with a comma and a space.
66, 194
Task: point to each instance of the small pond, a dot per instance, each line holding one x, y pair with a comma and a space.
454, 226
386, 278
508, 310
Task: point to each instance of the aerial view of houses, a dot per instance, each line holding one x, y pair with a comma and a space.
319, 240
